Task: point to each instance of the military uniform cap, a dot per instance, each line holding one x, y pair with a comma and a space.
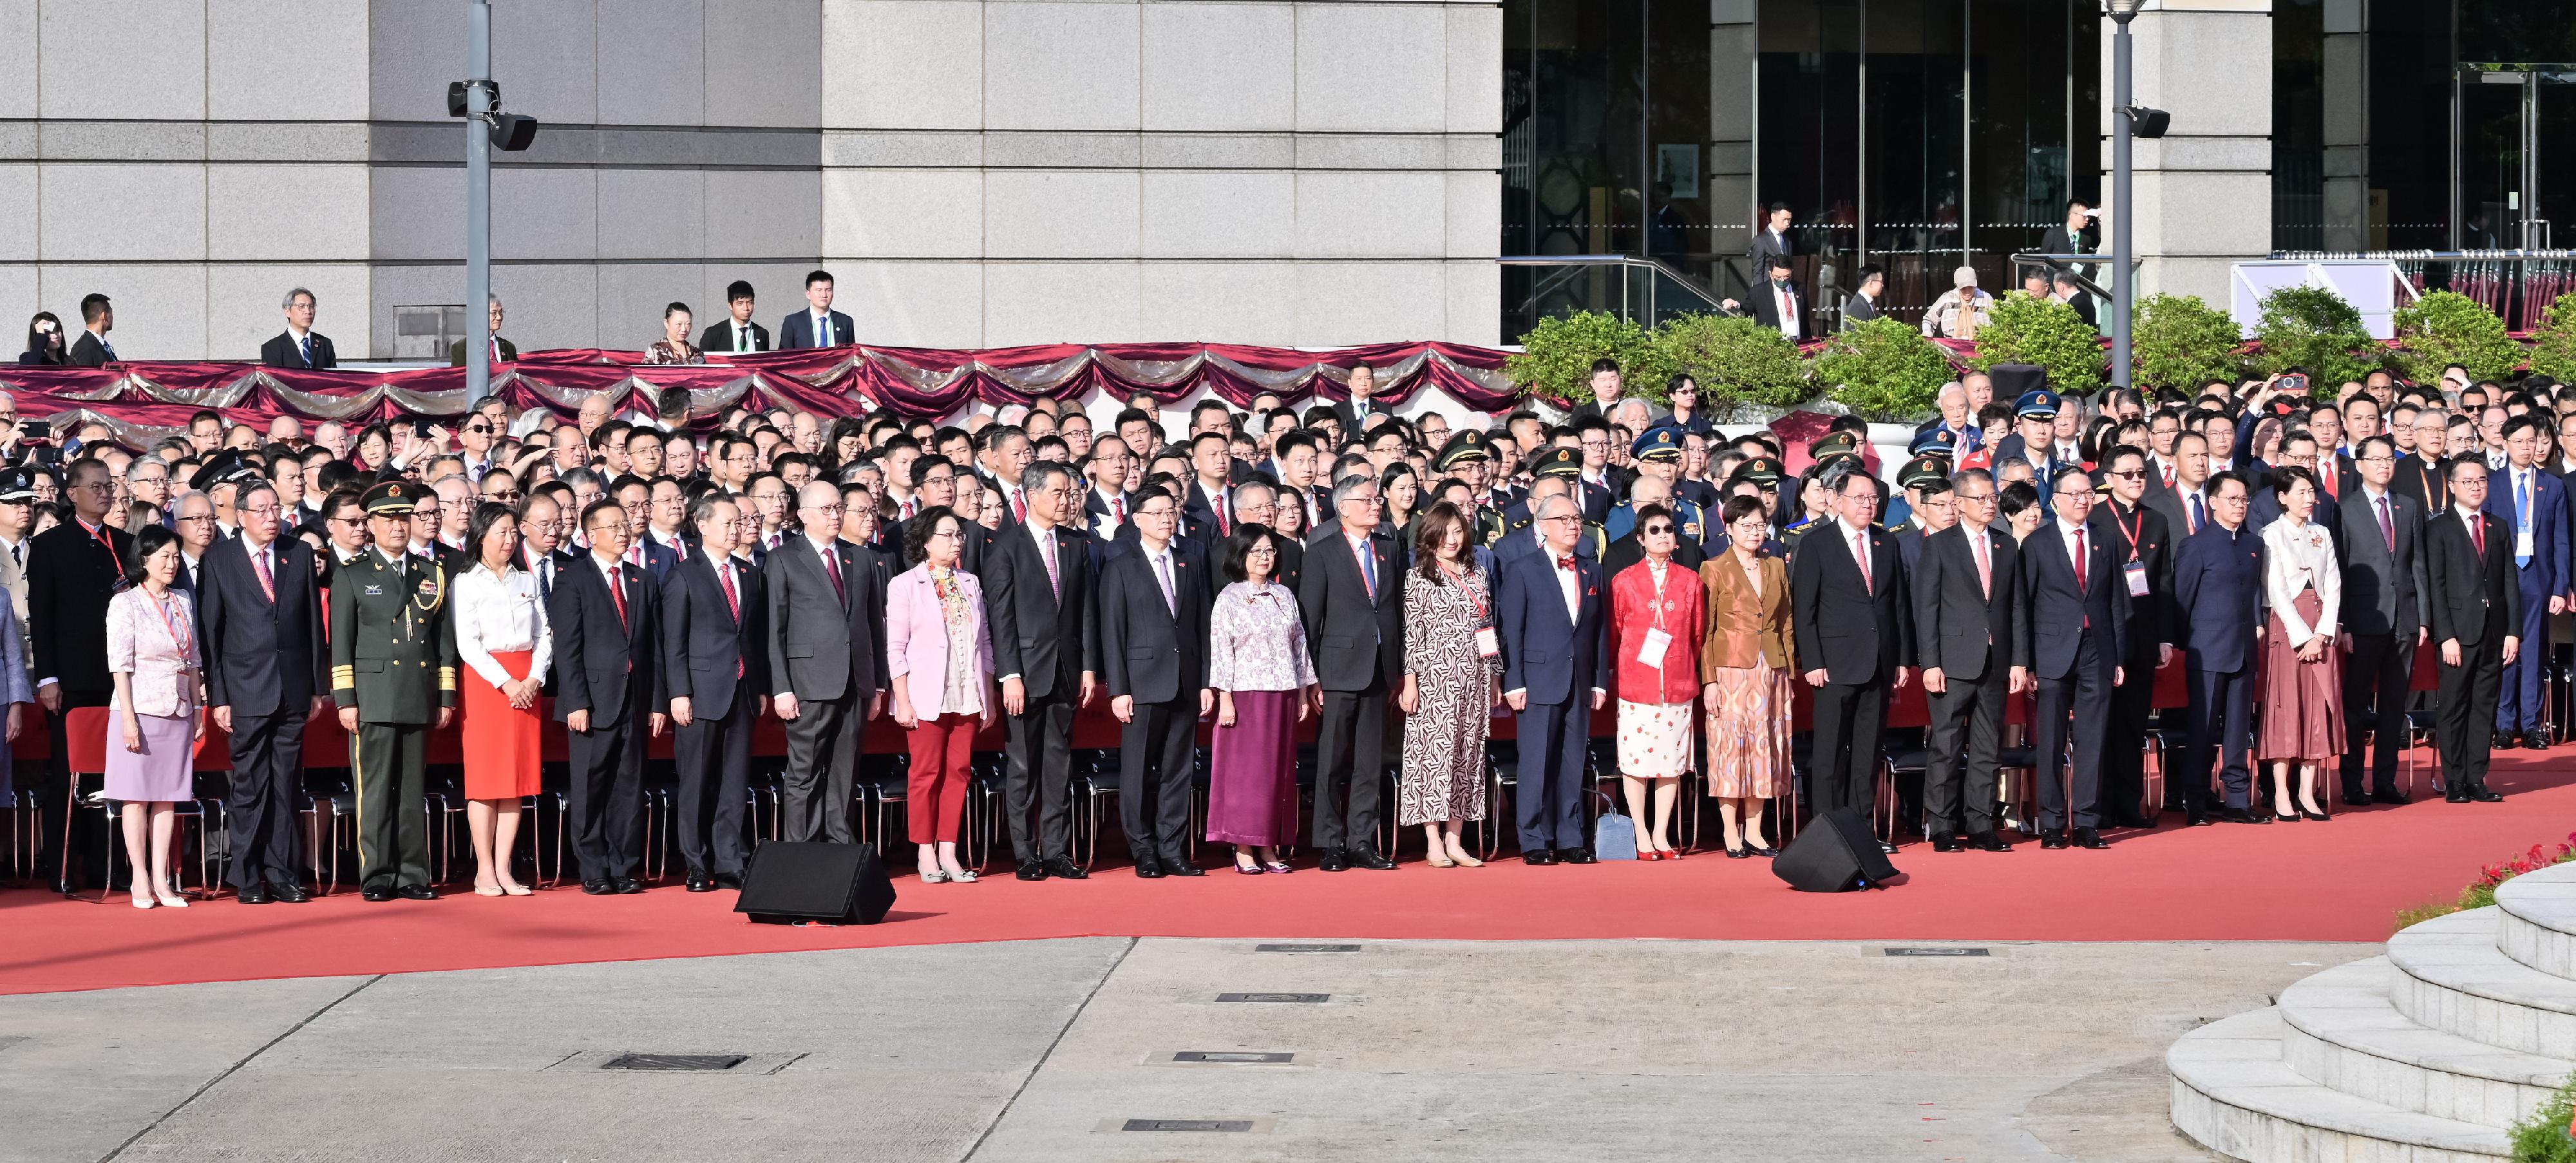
1760, 470
1921, 469
392, 498
1559, 462
1831, 443
1658, 444
220, 467
2037, 403
17, 486
1838, 454
1468, 445
1934, 442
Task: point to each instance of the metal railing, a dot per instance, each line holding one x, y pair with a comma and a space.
2515, 284
1641, 290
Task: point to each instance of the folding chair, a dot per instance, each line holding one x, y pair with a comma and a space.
85, 754
1092, 783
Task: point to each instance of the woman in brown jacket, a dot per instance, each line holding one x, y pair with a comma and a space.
1744, 662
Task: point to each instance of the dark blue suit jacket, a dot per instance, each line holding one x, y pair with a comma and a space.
658, 558
706, 649
1150, 651
2549, 563
599, 666
2218, 584
1555, 659
2056, 614
797, 330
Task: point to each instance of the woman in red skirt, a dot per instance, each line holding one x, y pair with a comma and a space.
2302, 657
502, 635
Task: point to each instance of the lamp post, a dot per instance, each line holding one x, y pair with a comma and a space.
2122, 294
478, 101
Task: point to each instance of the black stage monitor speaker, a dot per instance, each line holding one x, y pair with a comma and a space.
1835, 854
2013, 379
834, 883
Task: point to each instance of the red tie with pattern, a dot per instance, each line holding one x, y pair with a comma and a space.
724, 577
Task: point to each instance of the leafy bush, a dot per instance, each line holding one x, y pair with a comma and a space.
2178, 341
2549, 1135
2446, 327
2047, 333
1735, 361
1557, 356
2481, 892
2553, 342
1884, 370
2313, 328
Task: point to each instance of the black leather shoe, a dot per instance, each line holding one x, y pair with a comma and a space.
1576, 856
729, 880
1030, 870
1887, 847
627, 885
1333, 860
1538, 856
2195, 818
1148, 868
417, 892
2053, 838
2455, 797
2501, 741
1063, 868
252, 894
701, 882
1988, 842
376, 894
2355, 800
1945, 842
2535, 741
1181, 868
288, 892
1368, 858
598, 888
2485, 795
2242, 816
2389, 796
2090, 838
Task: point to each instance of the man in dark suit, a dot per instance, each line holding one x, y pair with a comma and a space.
1855, 626
1863, 305
299, 346
1551, 612
259, 622
72, 570
1046, 648
2218, 589
2185, 504
2076, 617
1354, 413
2532, 503
500, 350
608, 695
818, 325
1966, 592
1776, 303
826, 662
2383, 612
2424, 473
1352, 597
736, 334
91, 348
2142, 544
715, 668
1256, 502
1153, 649
2299, 447
2476, 609
1772, 241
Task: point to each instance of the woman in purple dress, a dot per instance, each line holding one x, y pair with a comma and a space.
1265, 686
158, 711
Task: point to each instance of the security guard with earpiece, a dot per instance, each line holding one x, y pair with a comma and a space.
393, 675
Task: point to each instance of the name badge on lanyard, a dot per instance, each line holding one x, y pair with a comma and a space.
2137, 571
1487, 645
1650, 650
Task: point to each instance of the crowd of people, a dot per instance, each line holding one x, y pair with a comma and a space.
1399, 581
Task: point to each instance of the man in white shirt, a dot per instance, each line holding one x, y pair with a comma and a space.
818, 325
669, 504
2533, 506
196, 525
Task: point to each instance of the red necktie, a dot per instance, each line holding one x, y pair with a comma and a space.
724, 577
2334, 480
1860, 557
832, 567
1118, 510
2080, 573
267, 584
2478, 534
2387, 528
1019, 506
617, 592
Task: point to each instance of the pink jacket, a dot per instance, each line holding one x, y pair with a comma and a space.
917, 639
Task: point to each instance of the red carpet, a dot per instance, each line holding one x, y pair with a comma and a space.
2338, 881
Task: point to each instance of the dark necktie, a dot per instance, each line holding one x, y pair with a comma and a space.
617, 593
306, 344
832, 568
2387, 528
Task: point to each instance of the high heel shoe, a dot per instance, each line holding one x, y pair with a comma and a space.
1668, 854
1735, 853
2288, 816
143, 902
1463, 860
1252, 869
515, 889
2319, 817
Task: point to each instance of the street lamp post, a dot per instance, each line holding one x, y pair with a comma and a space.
2123, 209
478, 100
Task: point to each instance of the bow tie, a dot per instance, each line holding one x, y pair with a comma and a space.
1565, 563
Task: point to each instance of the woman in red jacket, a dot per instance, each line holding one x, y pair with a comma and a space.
1655, 631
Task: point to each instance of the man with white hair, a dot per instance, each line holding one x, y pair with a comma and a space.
1961, 311
1956, 419
1550, 616
299, 346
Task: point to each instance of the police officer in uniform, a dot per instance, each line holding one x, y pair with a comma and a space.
393, 675
1917, 474
1467, 455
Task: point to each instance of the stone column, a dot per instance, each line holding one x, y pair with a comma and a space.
2204, 190
1733, 50
2347, 125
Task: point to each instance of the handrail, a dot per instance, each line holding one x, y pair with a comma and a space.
2065, 263
1571, 265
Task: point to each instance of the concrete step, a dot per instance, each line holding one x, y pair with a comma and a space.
2454, 979
2538, 927
2234, 1093
2341, 1030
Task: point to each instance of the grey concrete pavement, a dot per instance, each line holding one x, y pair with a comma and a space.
1028, 1050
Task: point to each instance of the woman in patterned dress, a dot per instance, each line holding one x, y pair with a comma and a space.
1745, 664
1265, 686
1655, 615
1452, 668
674, 346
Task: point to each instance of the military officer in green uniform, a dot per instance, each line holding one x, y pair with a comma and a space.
1566, 463
1658, 453
393, 675
1467, 456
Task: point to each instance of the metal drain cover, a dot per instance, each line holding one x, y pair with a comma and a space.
1290, 947
675, 1062
1245, 1056
1936, 951
1203, 1125
1277, 998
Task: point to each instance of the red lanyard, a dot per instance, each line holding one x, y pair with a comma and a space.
178, 627
1458, 577
2126, 528
99, 534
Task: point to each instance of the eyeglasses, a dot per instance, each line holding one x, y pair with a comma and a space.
2135, 474
502, 495
1656, 531
1560, 517
199, 517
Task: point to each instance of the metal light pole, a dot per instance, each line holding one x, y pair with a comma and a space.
478, 200
2122, 293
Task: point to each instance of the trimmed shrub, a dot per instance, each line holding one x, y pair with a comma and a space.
1735, 361
2313, 328
2446, 327
1557, 356
2553, 342
2047, 333
1883, 369
2178, 341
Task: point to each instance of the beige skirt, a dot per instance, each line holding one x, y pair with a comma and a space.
1654, 739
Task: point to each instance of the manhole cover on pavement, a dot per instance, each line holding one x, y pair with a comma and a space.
1217, 1125
1289, 947
1268, 1056
675, 1062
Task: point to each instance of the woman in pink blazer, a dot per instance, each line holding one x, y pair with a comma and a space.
940, 656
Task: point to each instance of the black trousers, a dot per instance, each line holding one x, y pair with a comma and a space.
2376, 681
1973, 708
822, 769
713, 754
266, 796
1039, 745
2084, 695
1548, 804
2222, 726
1851, 728
54, 802
2465, 709
1350, 759
606, 798
1154, 765
390, 761
2124, 745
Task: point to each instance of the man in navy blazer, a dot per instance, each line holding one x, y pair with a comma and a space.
715, 668
259, 619
1849, 603
2532, 503
1551, 611
2475, 609
608, 695
818, 325
2218, 588
1351, 596
2076, 623
1153, 650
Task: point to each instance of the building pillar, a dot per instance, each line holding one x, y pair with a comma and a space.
2348, 213
1733, 55
2204, 190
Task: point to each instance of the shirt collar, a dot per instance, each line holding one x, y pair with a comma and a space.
2064, 529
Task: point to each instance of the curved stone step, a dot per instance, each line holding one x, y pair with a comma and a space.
2234, 1094
2538, 927
2456, 980
2340, 1030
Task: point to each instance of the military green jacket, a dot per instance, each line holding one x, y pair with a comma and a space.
393, 647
